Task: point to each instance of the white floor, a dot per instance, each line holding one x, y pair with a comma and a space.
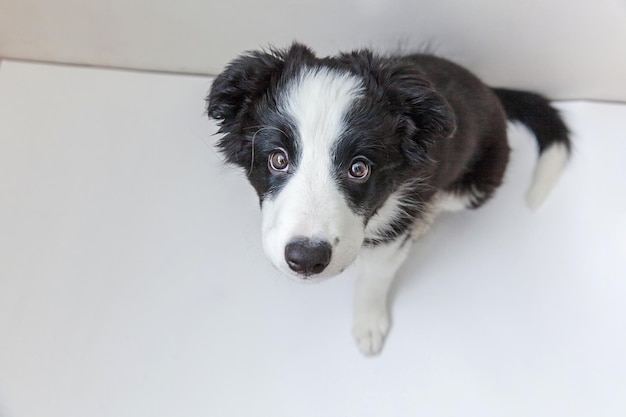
133, 283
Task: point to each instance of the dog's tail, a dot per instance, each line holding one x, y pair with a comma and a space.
552, 135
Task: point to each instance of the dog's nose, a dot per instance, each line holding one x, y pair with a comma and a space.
308, 257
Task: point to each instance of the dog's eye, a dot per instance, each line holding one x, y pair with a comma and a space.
359, 170
278, 161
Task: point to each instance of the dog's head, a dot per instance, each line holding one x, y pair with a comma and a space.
325, 142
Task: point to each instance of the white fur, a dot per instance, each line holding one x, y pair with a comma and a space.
394, 207
311, 204
377, 268
452, 202
546, 174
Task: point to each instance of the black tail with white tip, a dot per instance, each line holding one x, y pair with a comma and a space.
552, 135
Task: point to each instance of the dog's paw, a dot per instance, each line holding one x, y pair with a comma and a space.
369, 331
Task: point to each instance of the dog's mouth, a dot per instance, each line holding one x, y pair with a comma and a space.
310, 278
309, 260
316, 271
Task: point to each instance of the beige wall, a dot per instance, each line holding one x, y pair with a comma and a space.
564, 48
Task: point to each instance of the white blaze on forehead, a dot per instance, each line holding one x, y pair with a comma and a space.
311, 203
317, 101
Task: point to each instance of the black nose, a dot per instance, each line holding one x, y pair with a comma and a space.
308, 257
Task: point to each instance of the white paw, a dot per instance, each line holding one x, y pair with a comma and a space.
369, 331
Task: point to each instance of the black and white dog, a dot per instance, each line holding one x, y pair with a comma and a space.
353, 156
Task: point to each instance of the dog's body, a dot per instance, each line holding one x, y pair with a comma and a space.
353, 156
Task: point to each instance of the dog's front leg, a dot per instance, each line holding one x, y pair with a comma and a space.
378, 266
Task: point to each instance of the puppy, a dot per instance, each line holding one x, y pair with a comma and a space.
353, 156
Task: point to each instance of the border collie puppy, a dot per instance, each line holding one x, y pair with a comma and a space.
354, 155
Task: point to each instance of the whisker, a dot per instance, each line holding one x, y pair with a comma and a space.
262, 128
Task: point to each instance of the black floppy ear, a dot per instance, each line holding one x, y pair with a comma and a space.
247, 78
243, 79
426, 114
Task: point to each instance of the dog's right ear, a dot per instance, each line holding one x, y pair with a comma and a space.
243, 80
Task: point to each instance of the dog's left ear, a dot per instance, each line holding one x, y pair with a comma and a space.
426, 115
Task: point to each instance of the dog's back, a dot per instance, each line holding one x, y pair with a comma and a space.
475, 157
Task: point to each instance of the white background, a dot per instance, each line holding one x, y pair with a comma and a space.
133, 283
564, 48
